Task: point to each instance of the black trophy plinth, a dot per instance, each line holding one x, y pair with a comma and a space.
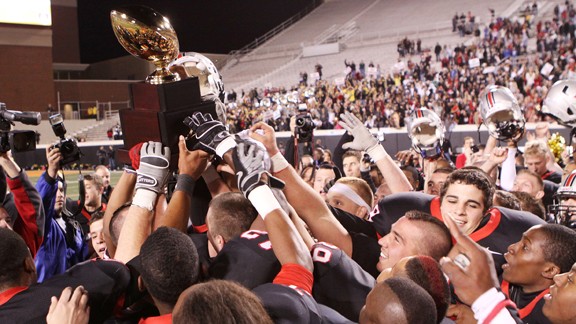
157, 113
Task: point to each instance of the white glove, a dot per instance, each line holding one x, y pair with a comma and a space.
363, 139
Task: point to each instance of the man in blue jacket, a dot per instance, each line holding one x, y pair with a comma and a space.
63, 244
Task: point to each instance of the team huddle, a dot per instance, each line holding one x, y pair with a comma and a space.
245, 237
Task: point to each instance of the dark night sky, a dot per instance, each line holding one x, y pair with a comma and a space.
208, 26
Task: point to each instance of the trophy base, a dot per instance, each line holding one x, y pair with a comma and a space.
162, 76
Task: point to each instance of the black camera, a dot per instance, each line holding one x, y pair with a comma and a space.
17, 140
304, 125
68, 147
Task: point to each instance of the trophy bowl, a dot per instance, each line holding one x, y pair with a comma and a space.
146, 34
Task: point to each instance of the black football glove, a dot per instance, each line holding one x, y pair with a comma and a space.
210, 135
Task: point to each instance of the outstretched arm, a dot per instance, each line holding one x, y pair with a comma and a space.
28, 204
308, 204
151, 179
288, 245
190, 166
365, 141
121, 195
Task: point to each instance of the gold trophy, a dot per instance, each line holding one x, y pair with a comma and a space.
146, 34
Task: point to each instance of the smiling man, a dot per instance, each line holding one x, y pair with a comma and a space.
466, 197
543, 252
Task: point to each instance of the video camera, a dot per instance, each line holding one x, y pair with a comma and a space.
68, 146
304, 125
17, 140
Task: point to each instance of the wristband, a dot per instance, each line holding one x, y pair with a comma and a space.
227, 144
279, 163
263, 200
129, 169
185, 183
377, 152
145, 199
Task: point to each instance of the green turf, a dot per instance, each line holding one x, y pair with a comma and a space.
72, 180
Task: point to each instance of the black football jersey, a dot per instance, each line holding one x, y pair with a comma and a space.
339, 282
247, 259
105, 281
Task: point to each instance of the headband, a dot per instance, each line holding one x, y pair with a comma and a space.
350, 194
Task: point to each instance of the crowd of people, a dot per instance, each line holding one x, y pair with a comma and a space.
498, 55
253, 236
251, 231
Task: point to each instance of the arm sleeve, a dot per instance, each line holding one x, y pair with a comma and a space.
366, 177
47, 187
289, 152
508, 170
28, 203
487, 309
339, 151
295, 275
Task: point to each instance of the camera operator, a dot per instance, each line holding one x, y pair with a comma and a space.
64, 244
22, 209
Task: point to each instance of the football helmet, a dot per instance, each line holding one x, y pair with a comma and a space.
562, 211
501, 113
198, 65
426, 131
560, 102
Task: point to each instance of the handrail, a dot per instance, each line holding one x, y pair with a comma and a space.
236, 54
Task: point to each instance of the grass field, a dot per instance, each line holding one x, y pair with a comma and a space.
72, 180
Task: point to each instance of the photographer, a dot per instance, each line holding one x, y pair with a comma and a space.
63, 244
22, 209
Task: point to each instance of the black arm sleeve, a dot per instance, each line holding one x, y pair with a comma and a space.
289, 152
339, 151
366, 177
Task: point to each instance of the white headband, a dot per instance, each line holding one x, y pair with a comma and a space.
350, 194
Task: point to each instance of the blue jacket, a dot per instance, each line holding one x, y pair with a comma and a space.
56, 255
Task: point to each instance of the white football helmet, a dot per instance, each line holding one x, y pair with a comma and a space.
560, 102
501, 113
198, 65
426, 130
562, 211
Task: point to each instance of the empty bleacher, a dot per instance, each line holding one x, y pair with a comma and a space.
378, 25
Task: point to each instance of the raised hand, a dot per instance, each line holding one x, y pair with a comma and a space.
363, 139
53, 156
191, 163
264, 134
153, 169
211, 135
250, 166
498, 155
469, 266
